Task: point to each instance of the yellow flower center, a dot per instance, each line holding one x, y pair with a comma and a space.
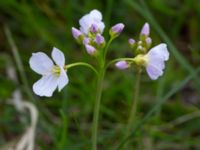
56, 70
141, 60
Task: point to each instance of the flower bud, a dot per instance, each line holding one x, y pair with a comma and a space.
99, 40
132, 43
116, 30
148, 41
122, 65
77, 34
140, 48
145, 30
90, 49
94, 28
86, 41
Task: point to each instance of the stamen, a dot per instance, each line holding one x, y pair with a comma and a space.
56, 70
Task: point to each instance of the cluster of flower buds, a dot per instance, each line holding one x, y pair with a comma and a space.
153, 59
91, 30
144, 42
90, 33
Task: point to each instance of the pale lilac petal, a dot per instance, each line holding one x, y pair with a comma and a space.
156, 61
122, 65
101, 26
41, 63
145, 30
96, 15
85, 23
153, 71
46, 85
159, 51
62, 80
58, 57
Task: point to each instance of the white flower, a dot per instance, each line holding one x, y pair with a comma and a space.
53, 75
93, 18
155, 60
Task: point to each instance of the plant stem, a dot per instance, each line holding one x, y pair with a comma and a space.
132, 117
106, 48
82, 64
100, 78
97, 108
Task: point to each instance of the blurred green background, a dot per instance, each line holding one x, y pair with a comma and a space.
168, 117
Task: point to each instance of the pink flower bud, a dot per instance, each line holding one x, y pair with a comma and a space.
94, 28
99, 39
116, 29
76, 33
90, 49
122, 65
131, 41
148, 41
145, 30
86, 41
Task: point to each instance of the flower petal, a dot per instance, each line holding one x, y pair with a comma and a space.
62, 80
58, 57
85, 23
41, 63
153, 72
96, 15
159, 63
46, 85
159, 51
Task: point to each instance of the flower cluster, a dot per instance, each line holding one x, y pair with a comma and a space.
91, 30
153, 60
90, 34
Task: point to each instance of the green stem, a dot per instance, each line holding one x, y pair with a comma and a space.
97, 108
132, 117
106, 48
81, 64
102, 70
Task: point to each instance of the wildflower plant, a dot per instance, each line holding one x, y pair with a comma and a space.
90, 35
153, 61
